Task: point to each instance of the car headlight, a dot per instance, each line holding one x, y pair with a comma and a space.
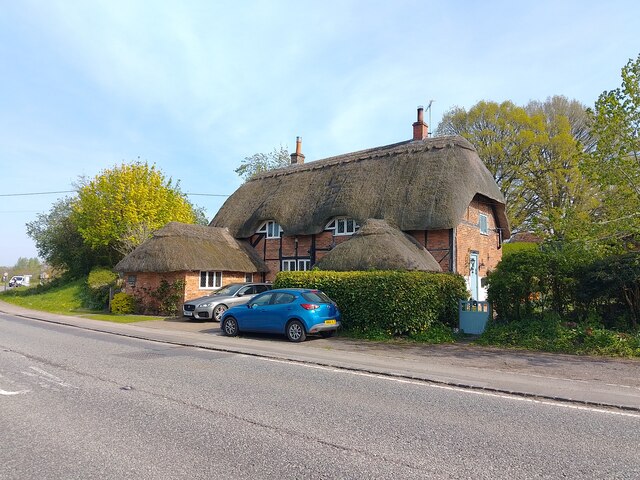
205, 305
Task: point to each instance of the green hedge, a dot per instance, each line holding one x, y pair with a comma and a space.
390, 302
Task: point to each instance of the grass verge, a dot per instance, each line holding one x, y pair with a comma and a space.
64, 300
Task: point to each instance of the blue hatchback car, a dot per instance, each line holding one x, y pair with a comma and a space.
294, 312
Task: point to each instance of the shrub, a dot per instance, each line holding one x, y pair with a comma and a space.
611, 287
392, 303
163, 300
123, 304
530, 282
552, 334
99, 283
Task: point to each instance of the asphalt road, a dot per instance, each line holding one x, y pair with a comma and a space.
83, 404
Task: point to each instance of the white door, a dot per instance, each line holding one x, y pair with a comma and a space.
473, 275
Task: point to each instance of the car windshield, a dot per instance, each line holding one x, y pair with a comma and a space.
316, 297
229, 289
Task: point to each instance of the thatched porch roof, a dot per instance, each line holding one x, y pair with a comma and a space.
182, 247
378, 246
416, 185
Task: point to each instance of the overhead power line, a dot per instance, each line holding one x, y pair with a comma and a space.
34, 193
74, 191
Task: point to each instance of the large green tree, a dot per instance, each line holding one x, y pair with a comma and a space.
59, 242
533, 153
261, 162
615, 162
121, 206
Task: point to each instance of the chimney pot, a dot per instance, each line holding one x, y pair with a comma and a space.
420, 129
298, 157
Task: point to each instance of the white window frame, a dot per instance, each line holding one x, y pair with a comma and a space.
304, 264
248, 277
295, 265
483, 224
212, 280
271, 229
285, 265
342, 226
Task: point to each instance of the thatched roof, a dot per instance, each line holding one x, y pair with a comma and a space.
179, 247
416, 185
379, 246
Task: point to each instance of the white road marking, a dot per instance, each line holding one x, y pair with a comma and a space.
46, 376
456, 389
4, 392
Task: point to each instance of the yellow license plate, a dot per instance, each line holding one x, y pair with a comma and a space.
330, 322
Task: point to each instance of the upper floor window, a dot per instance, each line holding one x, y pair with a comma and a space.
342, 226
271, 229
210, 279
483, 223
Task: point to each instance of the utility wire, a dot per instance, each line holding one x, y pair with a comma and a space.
74, 191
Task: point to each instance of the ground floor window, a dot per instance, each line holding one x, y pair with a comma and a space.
210, 279
292, 265
248, 277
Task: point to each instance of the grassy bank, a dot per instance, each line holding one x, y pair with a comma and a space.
64, 299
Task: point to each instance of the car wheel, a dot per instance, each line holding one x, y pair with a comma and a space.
230, 327
218, 311
295, 331
328, 334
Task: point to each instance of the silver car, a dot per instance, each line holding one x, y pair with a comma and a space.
215, 304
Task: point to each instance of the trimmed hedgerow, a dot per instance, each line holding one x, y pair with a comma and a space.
391, 303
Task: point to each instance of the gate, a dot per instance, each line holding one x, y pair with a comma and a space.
473, 316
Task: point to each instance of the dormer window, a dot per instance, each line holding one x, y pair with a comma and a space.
342, 226
271, 229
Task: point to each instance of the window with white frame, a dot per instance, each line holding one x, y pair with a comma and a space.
483, 223
210, 279
343, 226
304, 264
271, 229
288, 265
293, 265
248, 277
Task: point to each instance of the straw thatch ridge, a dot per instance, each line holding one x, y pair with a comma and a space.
182, 247
378, 246
416, 185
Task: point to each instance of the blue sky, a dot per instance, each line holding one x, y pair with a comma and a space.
196, 86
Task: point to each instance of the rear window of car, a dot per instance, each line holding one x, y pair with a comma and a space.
316, 297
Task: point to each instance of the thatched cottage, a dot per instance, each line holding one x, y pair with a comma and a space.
422, 204
205, 258
437, 208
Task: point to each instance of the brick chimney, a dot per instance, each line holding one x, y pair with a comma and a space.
298, 157
420, 129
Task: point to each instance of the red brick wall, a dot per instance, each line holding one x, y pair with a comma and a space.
469, 238
437, 242
149, 281
192, 283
